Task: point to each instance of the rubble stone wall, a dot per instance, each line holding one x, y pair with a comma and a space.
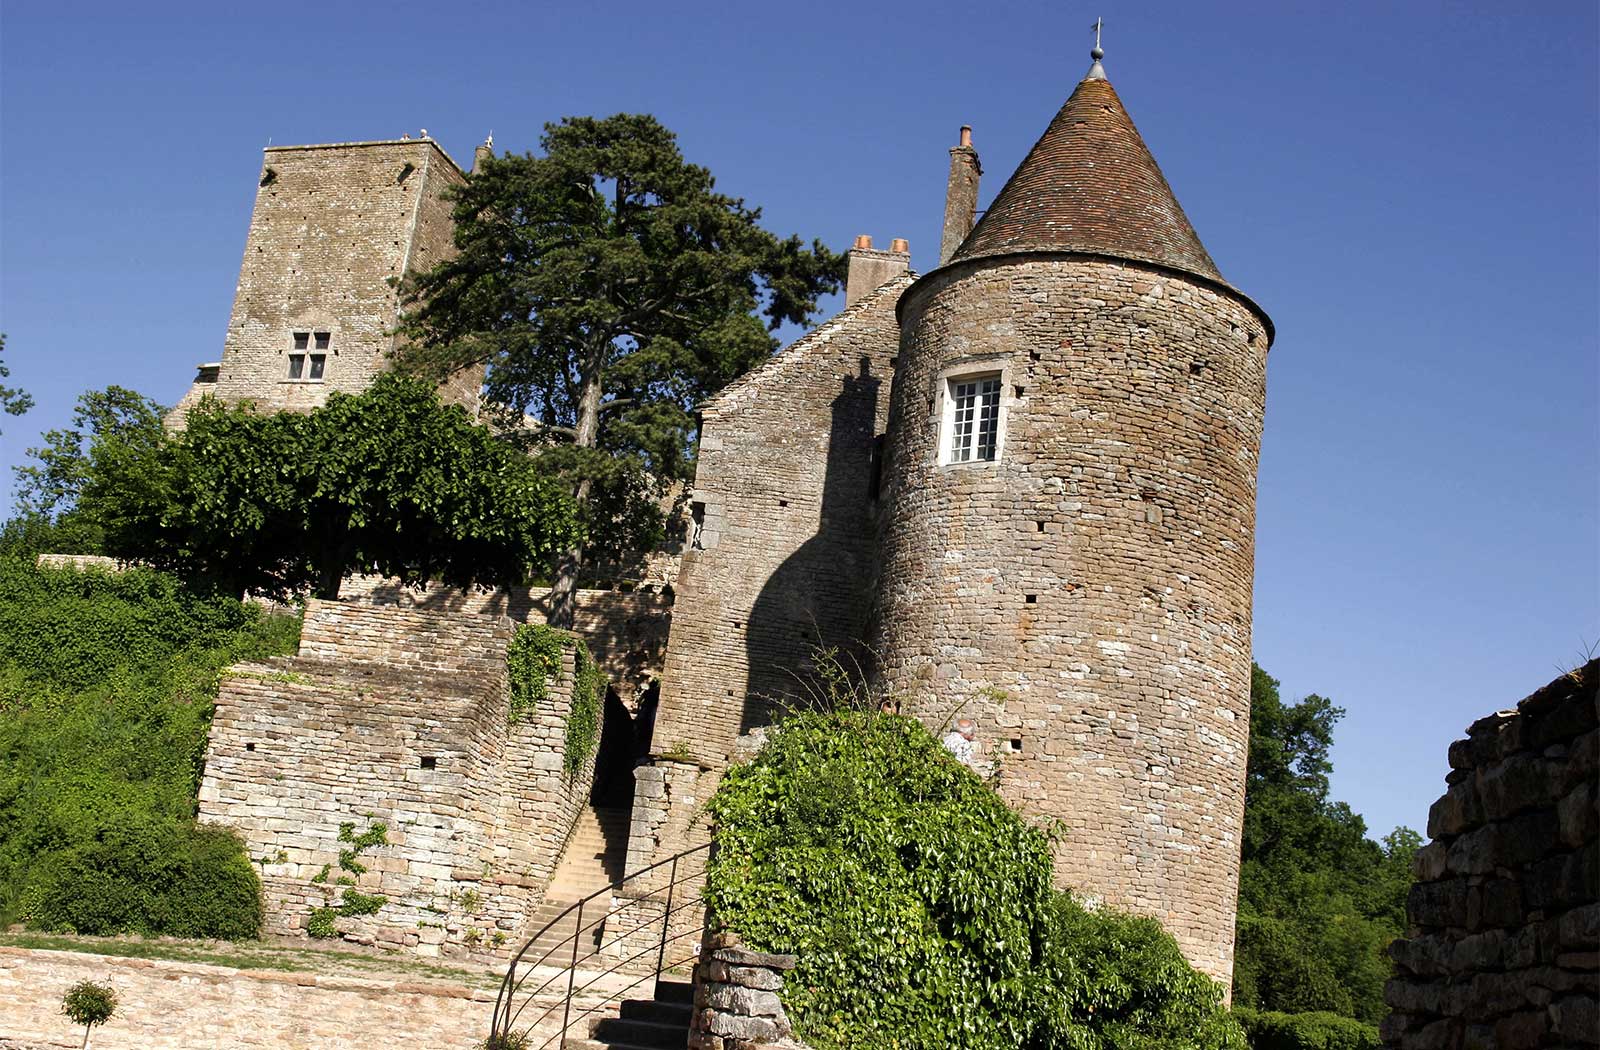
736, 998
399, 717
781, 552
164, 1005
626, 631
1085, 596
1504, 945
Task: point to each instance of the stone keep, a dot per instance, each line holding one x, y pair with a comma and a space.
334, 230
1080, 584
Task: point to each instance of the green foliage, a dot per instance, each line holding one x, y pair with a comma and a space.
13, 402
152, 877
1319, 902
114, 431
506, 1041
609, 288
921, 908
533, 661
106, 688
89, 1004
1268, 1030
321, 924
351, 903
588, 702
387, 481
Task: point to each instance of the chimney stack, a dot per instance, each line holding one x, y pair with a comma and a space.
960, 195
871, 268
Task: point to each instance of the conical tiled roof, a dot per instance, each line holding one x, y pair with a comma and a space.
1090, 185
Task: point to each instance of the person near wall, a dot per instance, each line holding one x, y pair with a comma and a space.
962, 742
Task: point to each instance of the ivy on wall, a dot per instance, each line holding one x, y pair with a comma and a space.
352, 904
533, 661
921, 907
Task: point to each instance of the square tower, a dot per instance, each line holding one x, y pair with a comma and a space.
334, 229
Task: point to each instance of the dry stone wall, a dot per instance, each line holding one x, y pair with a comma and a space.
736, 997
626, 631
1504, 945
1085, 596
397, 717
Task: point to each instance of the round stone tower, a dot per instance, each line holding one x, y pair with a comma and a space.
1069, 538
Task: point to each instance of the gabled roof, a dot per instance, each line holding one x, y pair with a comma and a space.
1090, 185
875, 310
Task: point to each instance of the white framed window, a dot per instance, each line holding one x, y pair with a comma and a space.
308, 358
972, 418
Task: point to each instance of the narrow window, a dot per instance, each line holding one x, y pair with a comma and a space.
322, 340
318, 362
429, 762
975, 418
297, 365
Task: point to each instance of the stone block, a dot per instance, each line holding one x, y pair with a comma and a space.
1458, 809
1576, 1018
746, 1002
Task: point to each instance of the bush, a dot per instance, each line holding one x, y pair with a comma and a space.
153, 878
921, 909
1268, 1030
107, 683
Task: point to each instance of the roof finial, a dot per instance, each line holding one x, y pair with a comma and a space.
1096, 71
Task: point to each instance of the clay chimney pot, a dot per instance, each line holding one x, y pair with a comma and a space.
901, 245
864, 240
966, 135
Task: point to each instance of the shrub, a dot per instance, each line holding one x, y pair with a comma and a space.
107, 683
921, 909
155, 877
88, 1003
1321, 1030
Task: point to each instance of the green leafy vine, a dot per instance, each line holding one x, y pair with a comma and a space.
533, 661
351, 904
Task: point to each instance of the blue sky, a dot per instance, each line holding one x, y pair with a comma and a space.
1409, 189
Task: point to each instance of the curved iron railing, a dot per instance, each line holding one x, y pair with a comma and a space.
653, 911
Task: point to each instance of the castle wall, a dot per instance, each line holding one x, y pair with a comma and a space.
333, 231
1085, 597
782, 551
399, 717
626, 631
1504, 944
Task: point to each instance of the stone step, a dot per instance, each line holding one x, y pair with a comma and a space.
658, 1011
616, 1030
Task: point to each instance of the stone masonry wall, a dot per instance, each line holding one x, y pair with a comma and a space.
399, 717
781, 554
1504, 945
1085, 597
736, 997
334, 228
164, 1005
626, 631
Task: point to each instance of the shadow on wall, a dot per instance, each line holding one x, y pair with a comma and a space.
820, 595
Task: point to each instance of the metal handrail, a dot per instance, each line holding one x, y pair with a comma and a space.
512, 1000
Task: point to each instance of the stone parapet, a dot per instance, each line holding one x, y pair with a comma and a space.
1504, 945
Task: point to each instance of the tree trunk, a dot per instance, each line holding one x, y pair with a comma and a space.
86, 1030
564, 592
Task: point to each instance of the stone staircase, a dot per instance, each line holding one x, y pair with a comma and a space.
594, 859
645, 1024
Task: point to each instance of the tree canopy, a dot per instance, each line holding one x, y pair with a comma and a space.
386, 481
609, 288
13, 401
1318, 900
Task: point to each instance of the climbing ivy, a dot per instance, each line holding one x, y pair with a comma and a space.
533, 661
352, 904
921, 907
